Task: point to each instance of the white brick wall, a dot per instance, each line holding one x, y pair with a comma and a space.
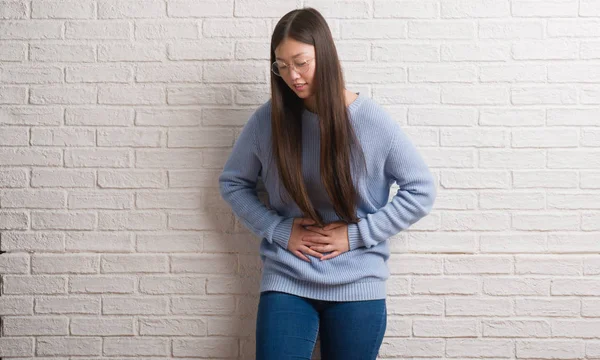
116, 117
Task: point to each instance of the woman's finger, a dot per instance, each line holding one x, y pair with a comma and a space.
330, 256
301, 255
317, 230
312, 252
316, 239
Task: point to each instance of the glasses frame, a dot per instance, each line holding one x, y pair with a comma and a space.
292, 66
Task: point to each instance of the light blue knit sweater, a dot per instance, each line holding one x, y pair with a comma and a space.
360, 273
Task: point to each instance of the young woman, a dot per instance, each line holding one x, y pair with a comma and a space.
327, 158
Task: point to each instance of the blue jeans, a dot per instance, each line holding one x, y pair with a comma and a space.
287, 327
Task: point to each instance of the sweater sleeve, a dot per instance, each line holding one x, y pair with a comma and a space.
413, 200
237, 185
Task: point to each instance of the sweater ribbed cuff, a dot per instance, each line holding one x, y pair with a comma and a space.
282, 232
354, 239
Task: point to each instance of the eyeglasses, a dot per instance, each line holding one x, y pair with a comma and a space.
280, 68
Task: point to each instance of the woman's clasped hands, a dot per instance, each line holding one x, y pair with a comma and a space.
308, 239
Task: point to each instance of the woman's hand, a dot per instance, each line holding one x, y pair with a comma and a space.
331, 238
296, 244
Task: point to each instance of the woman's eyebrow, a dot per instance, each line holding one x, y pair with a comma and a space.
295, 56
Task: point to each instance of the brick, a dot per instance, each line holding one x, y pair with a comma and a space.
407, 95
105, 326
182, 242
13, 95
168, 73
16, 305
513, 243
374, 29
62, 178
590, 137
589, 180
62, 220
41, 199
67, 305
200, 138
429, 29
34, 241
123, 346
235, 28
134, 263
205, 49
99, 242
573, 159
172, 285
13, 178
173, 327
69, 346
205, 95
116, 9
63, 95
405, 9
478, 179
512, 117
40, 284
37, 325
573, 117
205, 264
442, 73
445, 328
31, 30
471, 221
232, 285
589, 8
473, 94
13, 52
206, 8
573, 243
109, 158
405, 52
131, 221
14, 220
570, 201
99, 116
131, 52
455, 286
167, 117
475, 52
513, 73
14, 264
31, 75
479, 348
589, 50
233, 72
544, 95
163, 30
129, 138
502, 29
101, 284
442, 116
98, 30
55, 9
15, 136
545, 138
460, 158
552, 8
544, 50
545, 221
456, 200
49, 116
134, 305
17, 347
211, 347
125, 179
64, 264
590, 221
573, 73
98, 74
14, 10
63, 137
553, 349
478, 307
544, 179
456, 9
548, 265
33, 157
473, 137
514, 287
416, 265
169, 200
129, 95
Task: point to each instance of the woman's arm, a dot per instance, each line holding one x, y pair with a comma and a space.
237, 185
412, 202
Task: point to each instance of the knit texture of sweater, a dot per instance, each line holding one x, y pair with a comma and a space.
361, 272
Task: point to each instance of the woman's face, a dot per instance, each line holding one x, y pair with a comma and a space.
296, 63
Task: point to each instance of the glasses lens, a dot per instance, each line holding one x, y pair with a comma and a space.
275, 69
